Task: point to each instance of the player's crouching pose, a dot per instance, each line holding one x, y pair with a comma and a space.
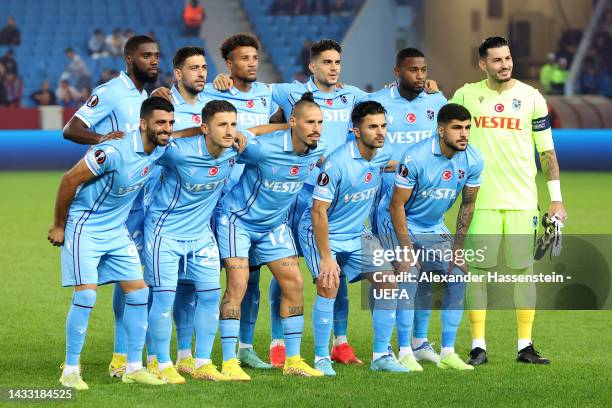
92, 206
334, 239
429, 178
251, 222
179, 241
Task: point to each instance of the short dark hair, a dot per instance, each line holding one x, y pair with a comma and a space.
69, 49
324, 45
235, 41
452, 111
154, 103
216, 106
134, 42
182, 54
407, 53
363, 109
306, 99
491, 42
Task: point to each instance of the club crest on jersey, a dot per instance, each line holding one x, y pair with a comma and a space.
535, 221
447, 174
93, 100
343, 99
402, 170
250, 103
294, 170
516, 104
368, 177
329, 102
264, 102
100, 156
231, 162
144, 171
411, 118
430, 114
213, 171
461, 174
312, 166
498, 107
196, 119
480, 99
323, 179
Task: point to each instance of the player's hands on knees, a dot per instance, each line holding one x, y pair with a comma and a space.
557, 208
240, 142
222, 82
117, 134
56, 235
431, 86
329, 273
163, 92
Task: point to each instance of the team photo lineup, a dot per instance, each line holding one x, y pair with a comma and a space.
232, 173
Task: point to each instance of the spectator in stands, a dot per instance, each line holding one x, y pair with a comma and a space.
340, 8
193, 17
10, 33
602, 51
558, 77
43, 96
305, 57
320, 7
76, 71
67, 95
3, 100
14, 89
369, 88
9, 62
105, 76
96, 45
85, 93
591, 81
114, 42
546, 71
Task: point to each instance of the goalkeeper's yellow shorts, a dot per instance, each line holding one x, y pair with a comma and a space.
516, 229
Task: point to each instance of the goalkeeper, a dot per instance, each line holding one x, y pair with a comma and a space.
508, 118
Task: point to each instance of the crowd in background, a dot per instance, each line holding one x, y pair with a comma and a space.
310, 7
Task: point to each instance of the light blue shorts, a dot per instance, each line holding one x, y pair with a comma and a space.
168, 260
260, 247
99, 258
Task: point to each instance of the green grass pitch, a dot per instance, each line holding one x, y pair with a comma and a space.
34, 309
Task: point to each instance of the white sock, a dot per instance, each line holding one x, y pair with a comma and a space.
479, 343
68, 369
445, 351
338, 340
151, 358
317, 358
376, 356
163, 366
199, 362
522, 343
244, 345
418, 342
277, 342
133, 367
404, 351
182, 354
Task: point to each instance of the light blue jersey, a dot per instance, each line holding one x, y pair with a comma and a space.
121, 168
115, 106
435, 180
408, 122
349, 183
191, 187
336, 107
273, 176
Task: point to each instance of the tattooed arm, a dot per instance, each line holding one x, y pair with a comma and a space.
550, 168
464, 218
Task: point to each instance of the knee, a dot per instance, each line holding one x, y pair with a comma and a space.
329, 293
208, 295
84, 297
133, 285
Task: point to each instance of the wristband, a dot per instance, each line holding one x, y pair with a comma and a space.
554, 190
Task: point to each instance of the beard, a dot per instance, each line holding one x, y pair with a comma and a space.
143, 76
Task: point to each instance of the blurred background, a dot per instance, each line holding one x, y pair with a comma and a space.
53, 52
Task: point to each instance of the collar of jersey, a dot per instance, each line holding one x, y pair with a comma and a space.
176, 95
287, 142
312, 87
137, 142
234, 91
125, 78
435, 147
356, 154
394, 93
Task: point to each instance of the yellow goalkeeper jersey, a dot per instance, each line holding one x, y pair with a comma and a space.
506, 127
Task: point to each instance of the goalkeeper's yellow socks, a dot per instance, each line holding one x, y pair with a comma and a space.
477, 328
524, 320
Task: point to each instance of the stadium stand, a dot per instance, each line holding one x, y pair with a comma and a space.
280, 33
49, 27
